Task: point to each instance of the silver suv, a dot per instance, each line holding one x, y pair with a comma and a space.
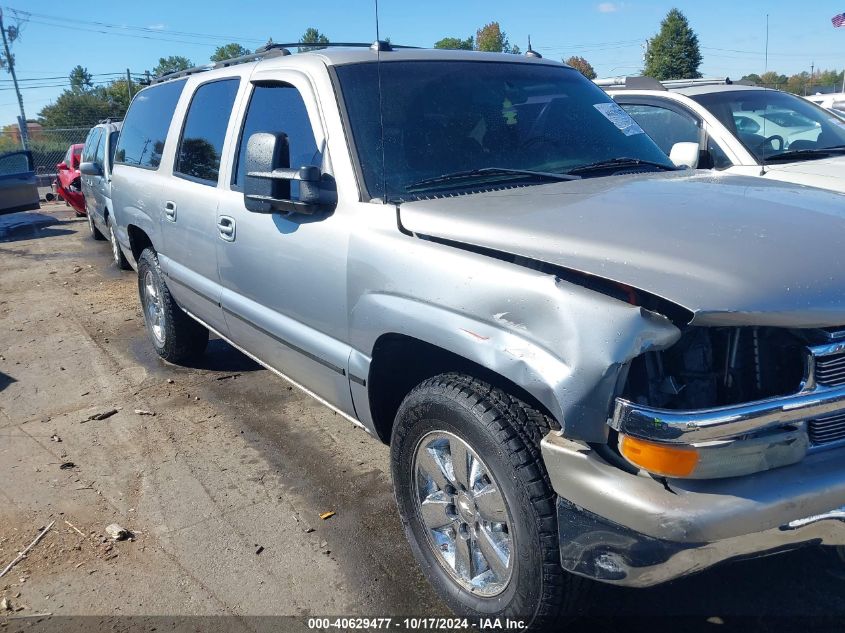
96, 176
586, 361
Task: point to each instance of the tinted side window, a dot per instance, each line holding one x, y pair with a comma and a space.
100, 154
717, 155
146, 124
91, 144
665, 127
113, 146
278, 109
15, 163
204, 131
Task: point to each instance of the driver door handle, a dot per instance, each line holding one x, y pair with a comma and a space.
226, 228
170, 210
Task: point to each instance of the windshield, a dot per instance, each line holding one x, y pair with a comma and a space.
769, 122
453, 117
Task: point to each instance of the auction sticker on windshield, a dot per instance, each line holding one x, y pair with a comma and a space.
619, 118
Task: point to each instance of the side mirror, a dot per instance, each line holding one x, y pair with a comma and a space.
62, 166
684, 155
269, 178
90, 169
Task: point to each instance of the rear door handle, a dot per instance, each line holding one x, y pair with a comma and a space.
226, 228
170, 210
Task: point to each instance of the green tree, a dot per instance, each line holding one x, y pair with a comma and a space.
456, 43
798, 83
229, 51
674, 52
83, 108
771, 79
312, 36
75, 109
582, 65
752, 77
828, 78
492, 39
172, 64
80, 79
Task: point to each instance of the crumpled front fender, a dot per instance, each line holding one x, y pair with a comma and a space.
564, 344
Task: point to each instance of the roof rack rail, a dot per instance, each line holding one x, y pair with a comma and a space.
649, 83
277, 50
181, 73
629, 83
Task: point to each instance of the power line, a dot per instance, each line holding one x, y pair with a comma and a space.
62, 77
63, 84
111, 29
144, 29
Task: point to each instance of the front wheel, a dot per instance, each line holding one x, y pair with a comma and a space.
117, 254
175, 336
476, 503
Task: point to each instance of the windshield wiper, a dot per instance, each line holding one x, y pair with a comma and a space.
619, 163
495, 173
820, 152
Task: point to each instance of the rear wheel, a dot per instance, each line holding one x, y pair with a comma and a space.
476, 502
117, 254
175, 336
92, 228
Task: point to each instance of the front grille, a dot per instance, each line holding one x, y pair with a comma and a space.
828, 429
830, 370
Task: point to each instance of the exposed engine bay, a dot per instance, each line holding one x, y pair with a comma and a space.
712, 367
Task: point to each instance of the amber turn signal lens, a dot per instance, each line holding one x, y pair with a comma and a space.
659, 459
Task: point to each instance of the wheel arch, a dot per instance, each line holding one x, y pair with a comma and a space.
400, 362
138, 240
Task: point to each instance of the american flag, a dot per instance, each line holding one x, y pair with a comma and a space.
838, 20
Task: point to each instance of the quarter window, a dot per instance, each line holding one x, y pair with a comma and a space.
279, 109
100, 154
202, 139
145, 127
90, 148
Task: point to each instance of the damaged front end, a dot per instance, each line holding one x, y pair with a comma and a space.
667, 497
725, 402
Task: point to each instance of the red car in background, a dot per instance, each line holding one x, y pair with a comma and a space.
68, 185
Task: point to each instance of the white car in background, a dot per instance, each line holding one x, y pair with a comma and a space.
834, 101
737, 128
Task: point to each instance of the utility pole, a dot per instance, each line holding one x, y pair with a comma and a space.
812, 76
11, 64
129, 84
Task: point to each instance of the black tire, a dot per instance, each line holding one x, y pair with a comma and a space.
182, 339
505, 433
92, 228
116, 252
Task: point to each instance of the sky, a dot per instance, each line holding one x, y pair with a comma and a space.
107, 37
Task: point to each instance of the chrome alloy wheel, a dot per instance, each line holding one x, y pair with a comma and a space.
153, 309
466, 516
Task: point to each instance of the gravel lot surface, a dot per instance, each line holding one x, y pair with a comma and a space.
222, 478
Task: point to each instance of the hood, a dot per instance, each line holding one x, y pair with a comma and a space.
827, 173
731, 250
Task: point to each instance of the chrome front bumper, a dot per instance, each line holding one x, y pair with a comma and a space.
633, 530
701, 425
